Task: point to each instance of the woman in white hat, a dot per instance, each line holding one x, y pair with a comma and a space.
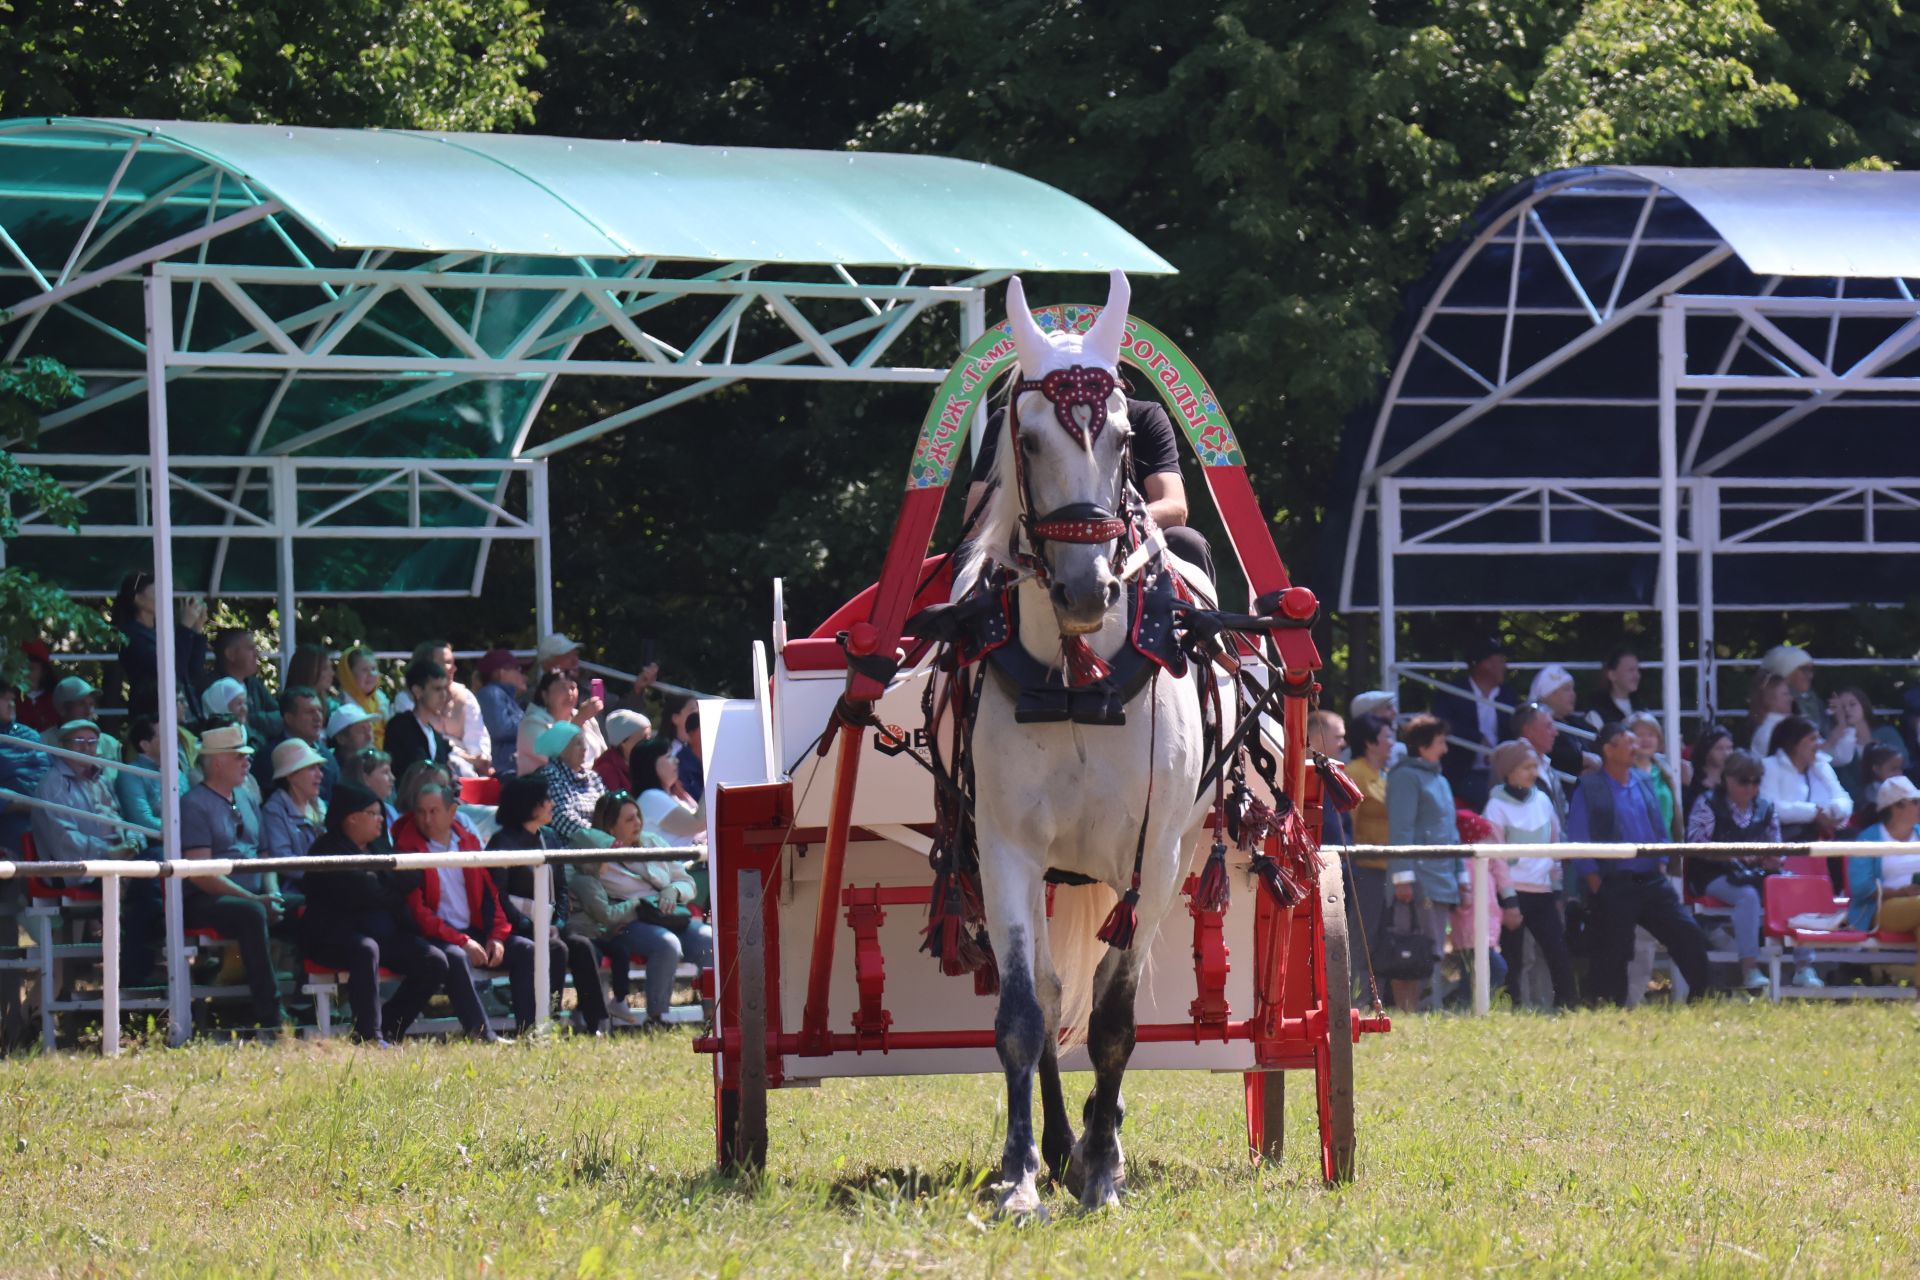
1884, 891
294, 815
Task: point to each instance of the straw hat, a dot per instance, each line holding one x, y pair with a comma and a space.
292, 756
225, 740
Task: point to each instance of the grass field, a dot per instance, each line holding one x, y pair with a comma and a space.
1726, 1139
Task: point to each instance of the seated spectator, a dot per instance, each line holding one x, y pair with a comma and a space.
691, 760
1327, 735
60, 836
220, 819
138, 794
556, 700
643, 904
682, 722
412, 735
1878, 763
1734, 812
21, 768
1420, 811
75, 699
1617, 805
1533, 724
525, 811
1795, 666
503, 682
571, 786
557, 653
1800, 785
1372, 741
1770, 702
1520, 812
372, 769
459, 912
349, 729
625, 730
1475, 720
226, 699
1855, 728
358, 679
1617, 695
134, 616
459, 720
665, 805
294, 815
236, 656
1884, 889
1553, 692
1648, 744
1381, 704
1709, 756
304, 718
358, 921
310, 668
35, 708
427, 774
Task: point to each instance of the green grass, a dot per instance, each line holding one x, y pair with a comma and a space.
1725, 1139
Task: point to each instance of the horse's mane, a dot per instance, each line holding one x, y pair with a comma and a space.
1000, 512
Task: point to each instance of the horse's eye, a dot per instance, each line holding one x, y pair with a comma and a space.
1030, 442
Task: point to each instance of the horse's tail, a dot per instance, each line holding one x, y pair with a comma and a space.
1073, 934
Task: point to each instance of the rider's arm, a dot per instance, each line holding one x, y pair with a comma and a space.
1166, 499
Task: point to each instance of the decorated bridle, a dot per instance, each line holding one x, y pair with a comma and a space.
1086, 523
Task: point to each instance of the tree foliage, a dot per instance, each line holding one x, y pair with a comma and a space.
1299, 163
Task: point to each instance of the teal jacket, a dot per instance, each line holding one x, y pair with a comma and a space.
1863, 881
1420, 811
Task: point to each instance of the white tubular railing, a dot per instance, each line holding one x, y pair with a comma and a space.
79, 757
111, 873
1479, 854
1574, 730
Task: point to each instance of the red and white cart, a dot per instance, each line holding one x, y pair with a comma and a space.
819, 865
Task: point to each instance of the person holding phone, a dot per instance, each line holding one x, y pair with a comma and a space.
556, 700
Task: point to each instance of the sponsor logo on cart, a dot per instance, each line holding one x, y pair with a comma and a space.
891, 740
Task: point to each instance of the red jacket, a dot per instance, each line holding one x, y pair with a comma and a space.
487, 922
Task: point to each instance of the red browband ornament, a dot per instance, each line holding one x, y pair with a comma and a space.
1075, 385
1083, 531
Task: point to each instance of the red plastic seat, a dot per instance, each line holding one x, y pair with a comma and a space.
1807, 866
1788, 896
480, 791
45, 890
315, 969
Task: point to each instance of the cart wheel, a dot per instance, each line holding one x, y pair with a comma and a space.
742, 1102
1266, 1115
1333, 1060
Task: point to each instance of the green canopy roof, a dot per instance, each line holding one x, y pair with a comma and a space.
571, 197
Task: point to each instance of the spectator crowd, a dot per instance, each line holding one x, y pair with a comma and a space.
338, 758
1545, 763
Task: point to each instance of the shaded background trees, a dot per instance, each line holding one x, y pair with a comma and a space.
1300, 163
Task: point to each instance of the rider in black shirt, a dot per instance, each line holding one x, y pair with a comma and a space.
1156, 474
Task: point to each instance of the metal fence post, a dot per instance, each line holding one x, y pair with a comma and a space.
1482, 946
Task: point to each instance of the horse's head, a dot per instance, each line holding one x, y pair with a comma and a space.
1069, 436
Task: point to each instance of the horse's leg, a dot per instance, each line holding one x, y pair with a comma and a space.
1056, 1129
1015, 908
1098, 1167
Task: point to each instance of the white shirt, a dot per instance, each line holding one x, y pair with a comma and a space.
1489, 717
1897, 870
454, 907
1802, 797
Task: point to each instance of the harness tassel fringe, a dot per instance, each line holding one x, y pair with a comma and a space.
1122, 922
1084, 666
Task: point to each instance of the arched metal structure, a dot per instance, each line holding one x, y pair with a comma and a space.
1651, 388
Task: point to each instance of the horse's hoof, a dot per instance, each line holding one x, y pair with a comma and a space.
1020, 1204
1100, 1193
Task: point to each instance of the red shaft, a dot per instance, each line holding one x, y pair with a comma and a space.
826, 916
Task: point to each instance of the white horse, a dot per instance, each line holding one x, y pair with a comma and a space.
1070, 796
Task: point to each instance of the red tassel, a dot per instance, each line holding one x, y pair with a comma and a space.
1214, 892
1084, 666
946, 925
986, 978
1336, 788
1122, 922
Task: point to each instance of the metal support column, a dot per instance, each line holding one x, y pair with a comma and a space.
1706, 535
1389, 537
1673, 358
159, 307
973, 323
540, 515
286, 517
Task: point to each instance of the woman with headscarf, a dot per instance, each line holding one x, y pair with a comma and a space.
357, 921
358, 681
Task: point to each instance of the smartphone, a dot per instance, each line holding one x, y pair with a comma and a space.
598, 688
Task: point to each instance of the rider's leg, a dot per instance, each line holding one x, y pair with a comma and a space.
1187, 543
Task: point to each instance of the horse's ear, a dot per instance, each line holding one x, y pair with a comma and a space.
1028, 341
1102, 346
